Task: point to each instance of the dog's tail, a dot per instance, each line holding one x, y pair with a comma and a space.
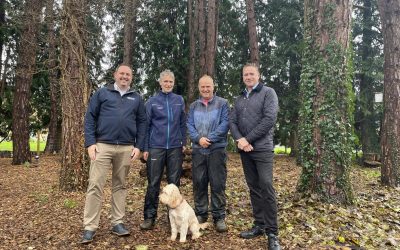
203, 226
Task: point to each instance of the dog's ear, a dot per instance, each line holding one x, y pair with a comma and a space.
176, 197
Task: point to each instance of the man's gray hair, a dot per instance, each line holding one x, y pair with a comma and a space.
166, 72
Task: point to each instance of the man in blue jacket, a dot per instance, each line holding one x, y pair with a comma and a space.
252, 124
165, 139
115, 125
208, 125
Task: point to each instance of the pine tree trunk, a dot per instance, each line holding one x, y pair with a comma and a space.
211, 42
129, 30
193, 24
202, 34
252, 28
52, 144
390, 136
74, 95
326, 111
26, 66
2, 24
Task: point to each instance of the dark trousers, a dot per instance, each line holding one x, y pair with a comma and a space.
209, 168
158, 158
257, 167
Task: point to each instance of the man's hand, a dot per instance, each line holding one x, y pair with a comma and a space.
135, 154
242, 143
92, 149
204, 142
248, 148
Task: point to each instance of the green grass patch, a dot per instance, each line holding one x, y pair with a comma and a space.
8, 145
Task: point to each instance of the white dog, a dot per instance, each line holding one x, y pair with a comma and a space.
181, 214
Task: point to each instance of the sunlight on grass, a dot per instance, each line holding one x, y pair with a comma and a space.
8, 146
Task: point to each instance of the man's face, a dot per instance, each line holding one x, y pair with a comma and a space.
250, 76
206, 88
123, 77
167, 84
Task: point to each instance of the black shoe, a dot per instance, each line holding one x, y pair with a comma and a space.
201, 219
147, 224
253, 232
87, 236
120, 230
273, 242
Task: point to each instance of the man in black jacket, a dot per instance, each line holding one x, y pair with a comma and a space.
115, 125
252, 124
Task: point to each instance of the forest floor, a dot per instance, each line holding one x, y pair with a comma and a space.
34, 214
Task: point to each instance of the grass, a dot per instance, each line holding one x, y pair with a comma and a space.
8, 146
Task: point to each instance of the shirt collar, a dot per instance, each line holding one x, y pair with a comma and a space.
121, 92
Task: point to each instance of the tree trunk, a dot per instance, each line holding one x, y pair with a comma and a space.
202, 33
193, 24
129, 30
326, 111
74, 96
26, 65
252, 27
51, 144
390, 136
211, 42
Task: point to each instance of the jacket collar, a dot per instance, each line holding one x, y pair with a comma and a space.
257, 89
110, 86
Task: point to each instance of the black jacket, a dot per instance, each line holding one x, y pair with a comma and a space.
254, 117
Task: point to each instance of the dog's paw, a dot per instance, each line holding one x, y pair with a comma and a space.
196, 236
182, 240
173, 238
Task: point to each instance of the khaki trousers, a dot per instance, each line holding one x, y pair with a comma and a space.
116, 157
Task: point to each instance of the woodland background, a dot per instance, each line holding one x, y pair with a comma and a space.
326, 59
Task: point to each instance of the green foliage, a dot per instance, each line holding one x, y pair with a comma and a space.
325, 129
68, 203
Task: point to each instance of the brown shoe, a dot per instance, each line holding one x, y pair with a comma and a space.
220, 226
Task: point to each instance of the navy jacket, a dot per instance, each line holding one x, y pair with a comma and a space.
166, 121
254, 117
210, 121
115, 119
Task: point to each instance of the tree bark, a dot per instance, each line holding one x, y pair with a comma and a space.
390, 137
26, 66
202, 34
129, 30
193, 24
211, 42
52, 144
74, 96
252, 28
325, 115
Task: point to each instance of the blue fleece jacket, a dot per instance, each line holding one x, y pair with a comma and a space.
115, 119
166, 118
210, 121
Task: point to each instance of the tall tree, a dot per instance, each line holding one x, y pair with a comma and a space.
325, 115
192, 26
74, 95
129, 30
53, 143
26, 64
390, 137
207, 17
252, 28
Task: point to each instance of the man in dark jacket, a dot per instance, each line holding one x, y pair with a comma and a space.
208, 125
165, 139
252, 124
115, 125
